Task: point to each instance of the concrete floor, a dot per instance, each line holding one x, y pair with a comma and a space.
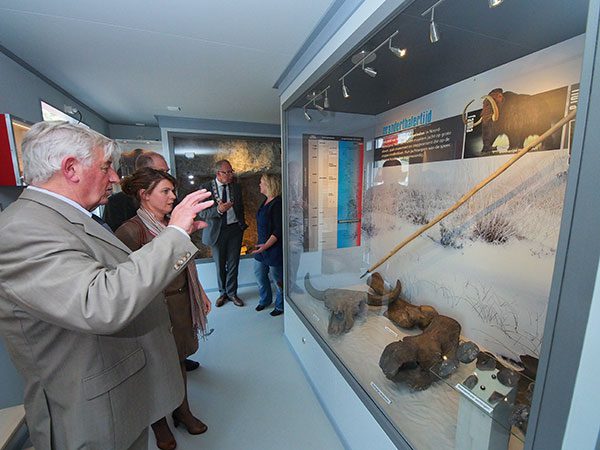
250, 390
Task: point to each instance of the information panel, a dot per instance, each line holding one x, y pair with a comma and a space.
333, 188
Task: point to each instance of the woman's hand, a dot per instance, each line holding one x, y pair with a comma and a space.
207, 303
259, 248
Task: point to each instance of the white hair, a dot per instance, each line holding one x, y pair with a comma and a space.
46, 144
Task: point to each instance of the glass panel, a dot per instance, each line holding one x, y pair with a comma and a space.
443, 335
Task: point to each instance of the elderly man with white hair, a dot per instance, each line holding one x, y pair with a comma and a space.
84, 318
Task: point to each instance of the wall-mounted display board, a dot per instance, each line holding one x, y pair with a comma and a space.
441, 339
438, 141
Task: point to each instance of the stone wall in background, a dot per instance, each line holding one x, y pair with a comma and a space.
250, 157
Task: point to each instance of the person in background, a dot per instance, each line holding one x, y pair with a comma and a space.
187, 302
268, 255
226, 225
122, 207
82, 317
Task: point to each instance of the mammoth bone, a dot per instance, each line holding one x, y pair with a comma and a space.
379, 296
344, 304
408, 315
419, 360
400, 311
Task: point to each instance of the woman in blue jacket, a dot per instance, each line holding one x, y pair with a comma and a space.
268, 254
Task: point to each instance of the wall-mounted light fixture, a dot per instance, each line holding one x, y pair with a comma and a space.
434, 34
306, 115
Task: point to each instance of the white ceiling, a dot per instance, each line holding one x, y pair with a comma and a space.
130, 59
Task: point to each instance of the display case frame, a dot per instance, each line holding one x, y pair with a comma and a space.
553, 320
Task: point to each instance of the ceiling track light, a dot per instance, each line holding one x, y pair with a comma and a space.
369, 70
434, 34
313, 101
345, 91
494, 3
399, 52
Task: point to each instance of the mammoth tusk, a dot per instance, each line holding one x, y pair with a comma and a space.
495, 113
314, 292
464, 114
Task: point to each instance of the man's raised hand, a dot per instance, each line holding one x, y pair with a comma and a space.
186, 211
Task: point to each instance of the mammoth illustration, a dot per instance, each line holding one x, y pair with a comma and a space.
517, 116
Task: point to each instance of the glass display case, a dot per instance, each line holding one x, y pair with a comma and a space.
422, 225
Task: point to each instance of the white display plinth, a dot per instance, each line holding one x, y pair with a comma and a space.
483, 425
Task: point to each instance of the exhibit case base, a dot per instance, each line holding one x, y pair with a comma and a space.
354, 423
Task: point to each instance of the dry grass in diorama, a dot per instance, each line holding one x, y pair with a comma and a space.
494, 228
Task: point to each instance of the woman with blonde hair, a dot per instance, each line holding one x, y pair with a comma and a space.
268, 255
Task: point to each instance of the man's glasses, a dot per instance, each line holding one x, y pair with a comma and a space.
227, 172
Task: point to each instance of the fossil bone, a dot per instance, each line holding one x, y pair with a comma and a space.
413, 360
375, 282
408, 315
344, 305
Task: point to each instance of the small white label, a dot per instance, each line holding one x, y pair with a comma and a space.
381, 394
389, 330
316, 317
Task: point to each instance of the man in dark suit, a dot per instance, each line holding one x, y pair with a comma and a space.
225, 230
83, 318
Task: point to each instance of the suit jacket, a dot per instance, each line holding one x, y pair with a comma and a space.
212, 217
85, 323
119, 209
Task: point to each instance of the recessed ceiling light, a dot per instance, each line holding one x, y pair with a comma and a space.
140, 124
174, 108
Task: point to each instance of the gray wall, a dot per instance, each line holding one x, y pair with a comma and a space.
21, 91
133, 132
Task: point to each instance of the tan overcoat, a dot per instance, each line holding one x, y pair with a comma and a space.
85, 322
135, 235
